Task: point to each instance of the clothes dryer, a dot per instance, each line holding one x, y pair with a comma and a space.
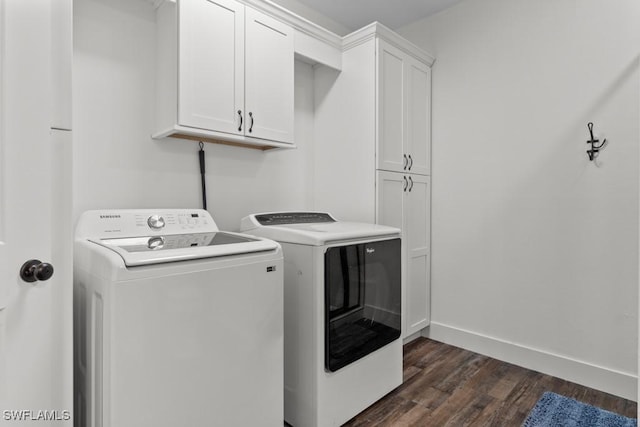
342, 293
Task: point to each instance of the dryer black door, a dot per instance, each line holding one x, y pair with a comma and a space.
362, 300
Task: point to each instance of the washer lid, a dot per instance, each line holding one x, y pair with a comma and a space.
312, 233
156, 249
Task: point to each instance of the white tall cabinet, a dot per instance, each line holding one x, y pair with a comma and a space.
403, 163
372, 150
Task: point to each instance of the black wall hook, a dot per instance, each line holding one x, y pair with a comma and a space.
594, 148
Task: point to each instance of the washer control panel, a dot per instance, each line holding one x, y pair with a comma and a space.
173, 221
145, 222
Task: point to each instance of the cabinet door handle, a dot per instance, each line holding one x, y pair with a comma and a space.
406, 183
410, 162
405, 162
251, 126
240, 116
411, 184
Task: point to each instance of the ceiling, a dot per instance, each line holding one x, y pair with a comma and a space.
355, 14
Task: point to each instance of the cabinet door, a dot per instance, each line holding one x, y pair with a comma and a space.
269, 78
391, 107
418, 114
417, 232
390, 210
391, 187
211, 64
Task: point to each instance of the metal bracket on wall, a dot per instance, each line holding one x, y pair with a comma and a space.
593, 152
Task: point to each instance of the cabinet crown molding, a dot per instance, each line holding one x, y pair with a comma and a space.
285, 16
296, 21
376, 29
343, 43
314, 30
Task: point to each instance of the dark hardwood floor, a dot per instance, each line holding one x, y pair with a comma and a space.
449, 386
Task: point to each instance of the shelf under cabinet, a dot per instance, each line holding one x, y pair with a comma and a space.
183, 132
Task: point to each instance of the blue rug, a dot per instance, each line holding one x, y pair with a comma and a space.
553, 410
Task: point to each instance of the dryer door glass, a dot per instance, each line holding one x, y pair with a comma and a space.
362, 300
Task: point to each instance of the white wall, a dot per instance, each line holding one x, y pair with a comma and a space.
535, 249
118, 165
345, 165
314, 16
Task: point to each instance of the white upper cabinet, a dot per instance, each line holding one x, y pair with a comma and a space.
211, 65
269, 78
404, 117
234, 70
418, 116
391, 108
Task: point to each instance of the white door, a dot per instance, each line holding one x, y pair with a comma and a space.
211, 65
391, 108
391, 187
417, 236
391, 190
403, 201
269, 79
35, 217
418, 95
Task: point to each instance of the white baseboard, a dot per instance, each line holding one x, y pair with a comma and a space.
618, 383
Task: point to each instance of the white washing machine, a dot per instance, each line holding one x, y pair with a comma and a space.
175, 322
342, 309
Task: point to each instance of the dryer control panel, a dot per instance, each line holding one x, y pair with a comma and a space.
281, 218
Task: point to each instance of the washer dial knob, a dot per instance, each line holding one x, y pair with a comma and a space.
155, 242
155, 222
